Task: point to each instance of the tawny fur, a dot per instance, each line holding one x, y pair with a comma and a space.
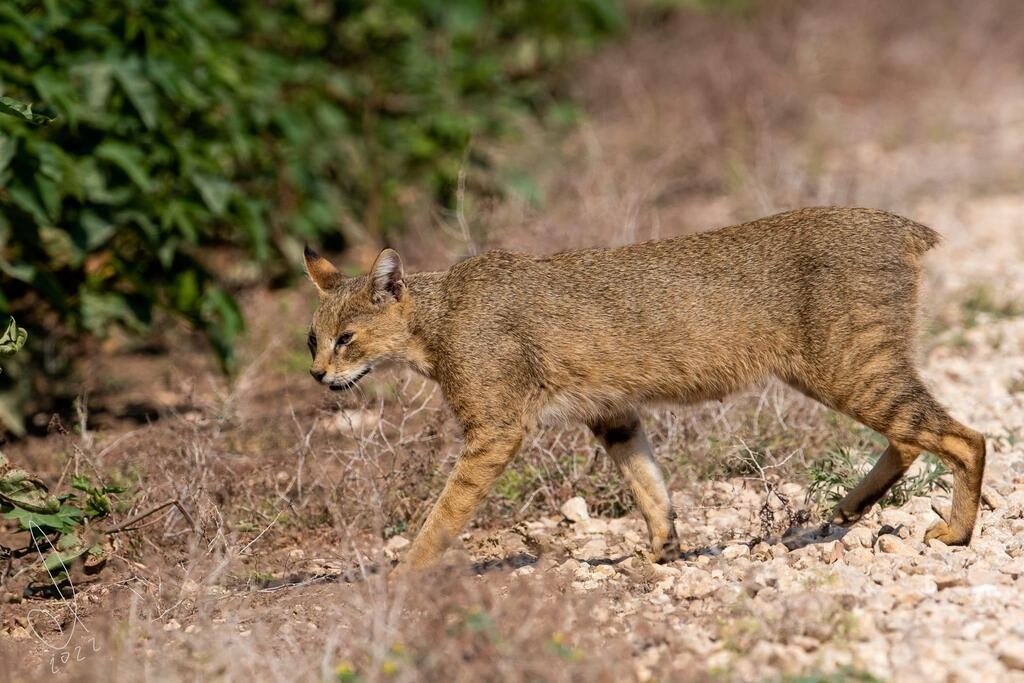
823, 299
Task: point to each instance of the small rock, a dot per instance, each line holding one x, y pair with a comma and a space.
523, 571
694, 583
949, 580
571, 565
912, 589
731, 552
896, 518
858, 537
942, 507
172, 625
836, 553
593, 526
1011, 653
575, 509
980, 574
919, 505
887, 530
892, 544
1015, 504
593, 548
1014, 567
792, 490
859, 557
992, 498
396, 543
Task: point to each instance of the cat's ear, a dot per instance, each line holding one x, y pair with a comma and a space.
321, 271
387, 277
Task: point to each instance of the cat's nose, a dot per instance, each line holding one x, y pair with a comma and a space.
318, 375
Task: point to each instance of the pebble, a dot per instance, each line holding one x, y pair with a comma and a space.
396, 544
575, 509
892, 544
731, 552
694, 583
1011, 653
858, 537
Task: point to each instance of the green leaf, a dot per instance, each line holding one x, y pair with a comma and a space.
255, 227
97, 82
62, 521
96, 229
8, 148
129, 159
13, 338
20, 489
100, 310
215, 191
97, 505
69, 548
139, 90
49, 192
25, 199
23, 110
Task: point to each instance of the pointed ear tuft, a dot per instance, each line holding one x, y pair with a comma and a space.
387, 277
323, 274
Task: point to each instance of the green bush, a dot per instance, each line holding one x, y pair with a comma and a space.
255, 124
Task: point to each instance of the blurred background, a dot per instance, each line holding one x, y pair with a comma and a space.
162, 163
178, 155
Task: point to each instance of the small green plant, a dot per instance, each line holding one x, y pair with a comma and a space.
564, 650
12, 339
844, 674
834, 475
59, 528
345, 672
982, 300
22, 110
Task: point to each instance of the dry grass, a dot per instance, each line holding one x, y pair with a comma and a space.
701, 121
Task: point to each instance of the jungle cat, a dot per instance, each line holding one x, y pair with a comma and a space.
824, 299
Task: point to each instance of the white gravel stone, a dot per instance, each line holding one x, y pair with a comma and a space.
1011, 653
575, 509
733, 551
694, 583
396, 543
892, 544
858, 537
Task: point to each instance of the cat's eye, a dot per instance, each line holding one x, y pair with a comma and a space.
311, 343
343, 339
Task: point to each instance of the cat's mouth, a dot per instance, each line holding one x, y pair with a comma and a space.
349, 382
